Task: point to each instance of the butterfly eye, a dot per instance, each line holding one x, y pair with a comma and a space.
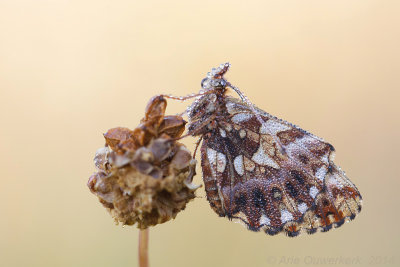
218, 83
206, 83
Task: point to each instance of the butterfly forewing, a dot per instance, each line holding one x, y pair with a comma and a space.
265, 172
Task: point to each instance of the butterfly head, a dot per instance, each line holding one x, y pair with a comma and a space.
215, 78
204, 109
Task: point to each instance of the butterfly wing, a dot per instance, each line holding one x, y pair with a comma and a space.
274, 176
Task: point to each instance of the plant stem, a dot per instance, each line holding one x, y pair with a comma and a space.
144, 247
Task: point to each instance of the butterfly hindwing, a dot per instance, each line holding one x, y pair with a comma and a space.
273, 176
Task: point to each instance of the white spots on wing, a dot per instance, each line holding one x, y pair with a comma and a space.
228, 127
211, 155
273, 127
277, 194
216, 158
325, 158
310, 143
334, 181
230, 107
242, 133
321, 172
337, 183
222, 132
262, 158
208, 178
221, 162
293, 150
306, 141
302, 207
238, 164
212, 158
241, 117
313, 191
264, 220
286, 216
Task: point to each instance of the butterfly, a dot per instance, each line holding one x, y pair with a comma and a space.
263, 171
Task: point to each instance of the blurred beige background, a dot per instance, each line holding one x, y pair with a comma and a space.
70, 70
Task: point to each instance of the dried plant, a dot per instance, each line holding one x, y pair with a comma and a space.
144, 176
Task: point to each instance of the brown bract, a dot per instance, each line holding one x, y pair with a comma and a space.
143, 175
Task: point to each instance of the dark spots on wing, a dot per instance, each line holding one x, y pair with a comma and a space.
292, 231
258, 198
331, 147
347, 192
321, 149
330, 169
254, 199
251, 124
328, 214
298, 176
215, 141
290, 136
241, 201
303, 159
253, 228
339, 223
326, 228
233, 144
273, 230
312, 231
298, 186
276, 194
107, 204
292, 234
292, 191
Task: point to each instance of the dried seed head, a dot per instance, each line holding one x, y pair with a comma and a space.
144, 176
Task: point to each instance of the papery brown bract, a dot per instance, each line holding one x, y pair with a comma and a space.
143, 175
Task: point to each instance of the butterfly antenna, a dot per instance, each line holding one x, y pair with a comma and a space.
256, 113
186, 97
247, 101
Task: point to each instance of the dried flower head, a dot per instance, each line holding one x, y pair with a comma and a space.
143, 175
